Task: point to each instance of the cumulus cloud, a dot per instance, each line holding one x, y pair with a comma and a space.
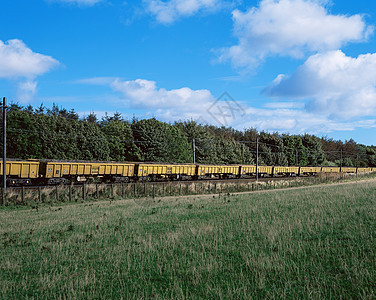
26, 90
200, 105
290, 28
336, 85
296, 121
183, 102
167, 12
79, 2
17, 60
20, 63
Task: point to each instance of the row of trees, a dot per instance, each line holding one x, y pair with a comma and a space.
57, 133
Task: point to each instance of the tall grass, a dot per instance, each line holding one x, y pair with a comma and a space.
304, 244
35, 196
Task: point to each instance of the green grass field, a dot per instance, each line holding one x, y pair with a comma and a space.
312, 243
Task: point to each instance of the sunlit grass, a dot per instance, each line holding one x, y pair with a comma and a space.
309, 243
53, 195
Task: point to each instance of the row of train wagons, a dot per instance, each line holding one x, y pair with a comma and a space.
20, 172
275, 171
32, 172
155, 172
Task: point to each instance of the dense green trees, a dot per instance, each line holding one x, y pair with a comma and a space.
161, 142
57, 133
39, 134
315, 153
120, 140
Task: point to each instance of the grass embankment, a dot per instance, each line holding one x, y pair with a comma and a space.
55, 195
309, 243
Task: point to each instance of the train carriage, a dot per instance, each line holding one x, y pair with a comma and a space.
309, 171
265, 171
247, 170
218, 171
330, 169
20, 172
348, 170
285, 171
363, 170
56, 172
154, 171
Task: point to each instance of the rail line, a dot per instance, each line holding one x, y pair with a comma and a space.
36, 195
160, 182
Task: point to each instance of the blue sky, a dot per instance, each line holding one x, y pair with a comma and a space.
296, 66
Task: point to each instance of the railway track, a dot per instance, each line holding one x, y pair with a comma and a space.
171, 182
146, 189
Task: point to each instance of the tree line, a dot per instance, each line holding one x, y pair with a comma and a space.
58, 133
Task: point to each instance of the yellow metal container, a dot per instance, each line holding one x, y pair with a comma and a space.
247, 170
265, 170
330, 169
67, 169
166, 169
285, 170
21, 169
309, 170
348, 169
205, 170
119, 169
363, 170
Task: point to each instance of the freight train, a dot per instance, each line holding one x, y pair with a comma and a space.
52, 172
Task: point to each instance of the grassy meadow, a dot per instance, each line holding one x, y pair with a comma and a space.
310, 243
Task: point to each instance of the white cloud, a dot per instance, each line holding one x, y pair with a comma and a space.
174, 104
167, 12
79, 2
26, 91
20, 63
17, 60
337, 85
182, 102
96, 80
283, 105
185, 103
296, 121
290, 28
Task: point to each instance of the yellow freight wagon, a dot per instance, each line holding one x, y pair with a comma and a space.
309, 170
247, 170
280, 170
221, 171
20, 172
363, 170
330, 169
60, 172
173, 171
114, 169
265, 170
348, 170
